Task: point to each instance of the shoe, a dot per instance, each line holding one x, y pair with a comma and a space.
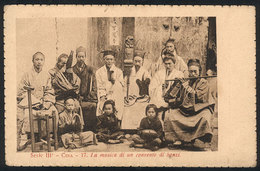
155, 148
23, 146
147, 146
113, 141
177, 143
199, 144
120, 137
132, 145
139, 146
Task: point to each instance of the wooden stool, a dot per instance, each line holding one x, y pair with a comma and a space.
39, 118
46, 118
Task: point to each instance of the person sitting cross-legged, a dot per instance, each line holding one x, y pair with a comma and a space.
70, 128
108, 127
188, 121
150, 130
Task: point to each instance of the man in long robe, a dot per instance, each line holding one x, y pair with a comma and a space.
110, 84
138, 88
87, 91
138, 76
65, 82
189, 121
43, 98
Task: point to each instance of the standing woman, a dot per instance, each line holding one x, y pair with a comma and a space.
189, 121
110, 84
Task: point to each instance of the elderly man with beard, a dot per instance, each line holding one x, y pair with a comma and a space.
138, 92
87, 91
43, 98
139, 78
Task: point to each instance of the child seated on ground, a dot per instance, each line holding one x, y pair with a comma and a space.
150, 131
108, 126
70, 128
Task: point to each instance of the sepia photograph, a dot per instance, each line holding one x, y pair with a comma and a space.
117, 84
127, 86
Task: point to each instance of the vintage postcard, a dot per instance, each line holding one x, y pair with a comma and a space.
130, 86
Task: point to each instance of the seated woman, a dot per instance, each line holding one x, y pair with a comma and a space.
189, 119
70, 128
108, 126
150, 130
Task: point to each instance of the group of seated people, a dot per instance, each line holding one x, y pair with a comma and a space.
89, 104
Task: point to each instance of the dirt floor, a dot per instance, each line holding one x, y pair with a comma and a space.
124, 147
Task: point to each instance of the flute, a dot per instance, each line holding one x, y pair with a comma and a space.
190, 78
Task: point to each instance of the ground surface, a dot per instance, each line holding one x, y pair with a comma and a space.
124, 147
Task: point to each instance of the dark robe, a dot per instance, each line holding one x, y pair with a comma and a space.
108, 127
65, 85
154, 124
192, 119
149, 138
88, 95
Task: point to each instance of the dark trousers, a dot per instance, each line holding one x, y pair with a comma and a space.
89, 115
104, 137
152, 142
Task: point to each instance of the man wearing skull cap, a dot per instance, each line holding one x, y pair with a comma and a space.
110, 83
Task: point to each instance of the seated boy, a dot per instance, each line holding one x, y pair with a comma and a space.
108, 126
150, 131
70, 128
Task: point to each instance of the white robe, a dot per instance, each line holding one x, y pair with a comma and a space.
157, 81
37, 81
142, 73
134, 114
179, 65
111, 91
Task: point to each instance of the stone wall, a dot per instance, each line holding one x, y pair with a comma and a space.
54, 36
190, 33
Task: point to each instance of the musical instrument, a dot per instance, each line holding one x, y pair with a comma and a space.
149, 134
191, 78
172, 94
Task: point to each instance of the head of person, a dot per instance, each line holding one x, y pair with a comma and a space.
209, 72
109, 107
81, 55
62, 60
169, 61
69, 104
151, 111
194, 67
109, 58
38, 60
138, 59
170, 46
